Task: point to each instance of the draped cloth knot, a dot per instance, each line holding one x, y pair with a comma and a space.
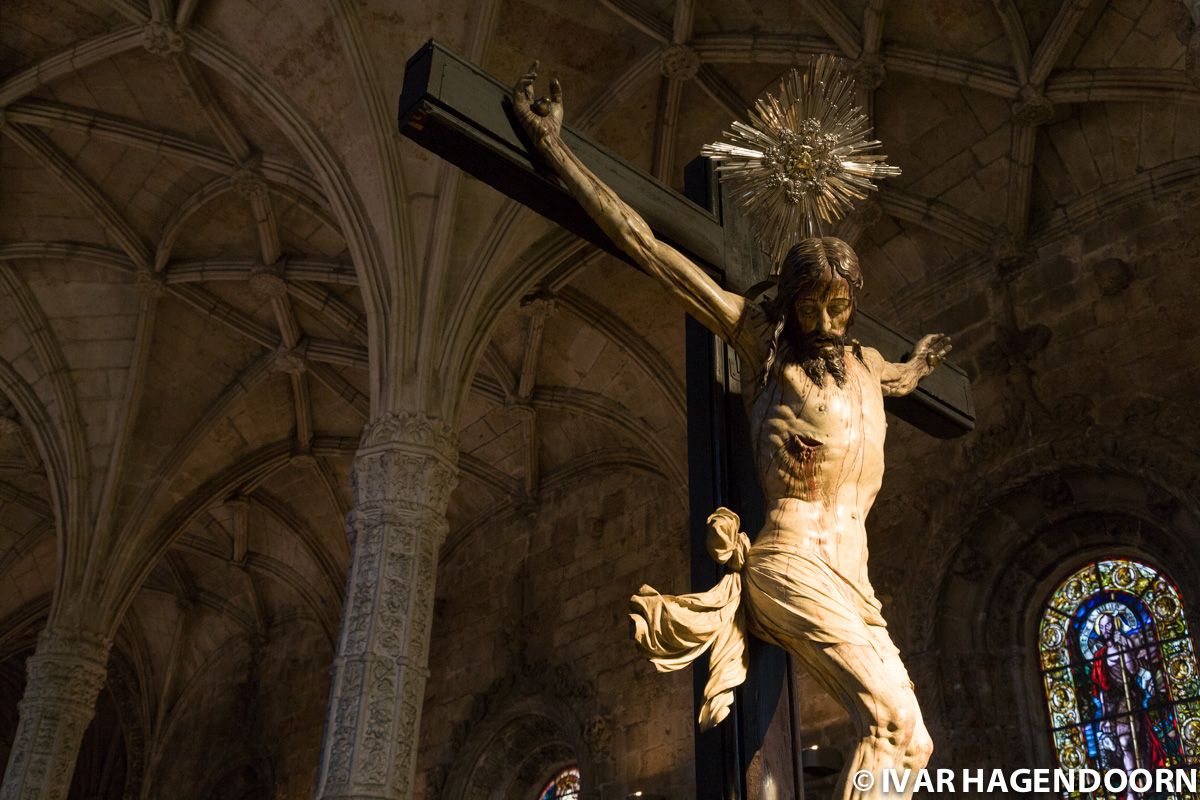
675, 630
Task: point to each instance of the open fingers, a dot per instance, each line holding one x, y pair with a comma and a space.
523, 90
529, 79
555, 91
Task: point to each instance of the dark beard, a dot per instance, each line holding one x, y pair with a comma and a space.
818, 359
825, 362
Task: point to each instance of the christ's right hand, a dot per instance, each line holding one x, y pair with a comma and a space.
542, 117
717, 309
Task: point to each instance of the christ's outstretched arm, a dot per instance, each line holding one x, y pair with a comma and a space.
900, 379
715, 308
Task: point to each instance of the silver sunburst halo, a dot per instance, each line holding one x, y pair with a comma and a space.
804, 158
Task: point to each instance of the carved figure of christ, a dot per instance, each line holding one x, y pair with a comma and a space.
815, 405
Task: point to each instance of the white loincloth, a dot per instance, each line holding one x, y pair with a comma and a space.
796, 595
795, 600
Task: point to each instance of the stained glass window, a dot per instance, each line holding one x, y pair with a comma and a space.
563, 785
1119, 670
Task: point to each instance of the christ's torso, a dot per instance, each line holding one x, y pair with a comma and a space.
819, 454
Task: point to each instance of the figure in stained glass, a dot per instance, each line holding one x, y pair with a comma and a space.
1119, 671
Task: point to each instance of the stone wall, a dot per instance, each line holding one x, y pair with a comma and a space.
531, 623
1086, 445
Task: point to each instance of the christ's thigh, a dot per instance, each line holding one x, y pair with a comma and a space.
869, 680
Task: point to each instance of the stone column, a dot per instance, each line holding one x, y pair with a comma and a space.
65, 675
402, 476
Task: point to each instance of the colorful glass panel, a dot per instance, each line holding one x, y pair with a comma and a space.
563, 785
1119, 670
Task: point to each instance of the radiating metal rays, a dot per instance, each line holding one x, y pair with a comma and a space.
804, 158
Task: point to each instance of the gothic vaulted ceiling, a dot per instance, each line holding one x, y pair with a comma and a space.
217, 257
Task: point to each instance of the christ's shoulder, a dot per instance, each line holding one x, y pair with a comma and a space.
753, 334
754, 321
871, 357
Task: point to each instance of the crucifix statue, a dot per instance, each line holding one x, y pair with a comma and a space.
815, 405
814, 398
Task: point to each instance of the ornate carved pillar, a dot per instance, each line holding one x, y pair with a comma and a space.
402, 477
65, 675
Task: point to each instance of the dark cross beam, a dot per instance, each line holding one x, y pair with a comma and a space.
458, 111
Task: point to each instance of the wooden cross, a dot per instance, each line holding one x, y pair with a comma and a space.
456, 110
461, 113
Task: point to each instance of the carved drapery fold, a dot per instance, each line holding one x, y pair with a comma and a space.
403, 473
65, 675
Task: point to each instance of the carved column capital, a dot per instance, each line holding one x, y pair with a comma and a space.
407, 464
411, 428
67, 668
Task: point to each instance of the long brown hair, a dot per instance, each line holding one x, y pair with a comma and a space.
813, 264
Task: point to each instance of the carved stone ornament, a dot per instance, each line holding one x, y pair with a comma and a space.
380, 672
1113, 275
1033, 108
411, 428
402, 478
398, 480
289, 360
870, 72
248, 182
162, 39
267, 281
9, 427
597, 735
66, 673
679, 62
150, 283
1010, 254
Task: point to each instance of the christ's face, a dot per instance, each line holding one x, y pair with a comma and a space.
822, 316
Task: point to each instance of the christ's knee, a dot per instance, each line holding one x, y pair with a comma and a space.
920, 746
899, 731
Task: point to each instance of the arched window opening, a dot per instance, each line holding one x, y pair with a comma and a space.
563, 786
1119, 670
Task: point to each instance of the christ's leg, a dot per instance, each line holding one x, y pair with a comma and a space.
873, 685
835, 630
